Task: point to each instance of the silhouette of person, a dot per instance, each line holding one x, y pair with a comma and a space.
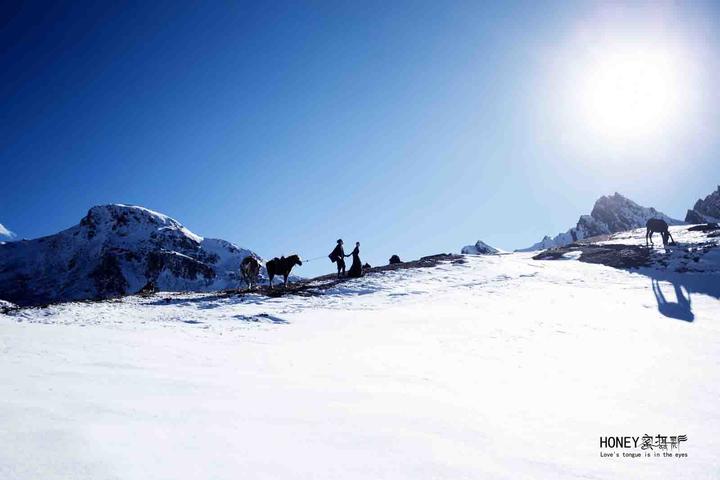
338, 256
356, 267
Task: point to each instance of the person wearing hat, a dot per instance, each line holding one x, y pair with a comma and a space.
338, 257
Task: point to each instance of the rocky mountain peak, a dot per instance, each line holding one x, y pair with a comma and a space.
480, 248
610, 214
705, 209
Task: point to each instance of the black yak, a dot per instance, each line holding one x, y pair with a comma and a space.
281, 266
250, 269
657, 225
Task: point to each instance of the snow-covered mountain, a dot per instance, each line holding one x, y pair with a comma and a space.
116, 250
5, 234
705, 210
480, 248
610, 214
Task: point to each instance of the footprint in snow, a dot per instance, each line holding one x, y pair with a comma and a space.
262, 317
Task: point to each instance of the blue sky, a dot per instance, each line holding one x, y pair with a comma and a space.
414, 127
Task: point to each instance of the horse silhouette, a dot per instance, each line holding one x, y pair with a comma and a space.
250, 269
281, 266
660, 226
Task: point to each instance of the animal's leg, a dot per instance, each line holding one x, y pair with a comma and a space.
286, 279
271, 279
672, 240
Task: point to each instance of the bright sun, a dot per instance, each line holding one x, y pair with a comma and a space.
626, 81
630, 94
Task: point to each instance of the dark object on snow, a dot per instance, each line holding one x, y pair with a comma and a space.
657, 225
7, 307
250, 269
394, 259
356, 267
281, 266
337, 256
707, 227
149, 288
616, 256
552, 254
367, 266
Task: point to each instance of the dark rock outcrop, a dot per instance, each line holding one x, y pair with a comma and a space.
705, 210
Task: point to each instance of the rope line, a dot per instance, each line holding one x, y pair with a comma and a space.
313, 259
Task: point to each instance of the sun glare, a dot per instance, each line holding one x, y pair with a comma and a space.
631, 94
627, 83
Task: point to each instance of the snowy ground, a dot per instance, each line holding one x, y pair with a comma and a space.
503, 367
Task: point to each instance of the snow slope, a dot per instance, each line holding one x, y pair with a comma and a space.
116, 250
501, 367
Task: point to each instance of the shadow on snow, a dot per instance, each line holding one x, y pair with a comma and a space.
683, 285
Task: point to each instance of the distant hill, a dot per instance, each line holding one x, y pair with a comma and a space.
480, 248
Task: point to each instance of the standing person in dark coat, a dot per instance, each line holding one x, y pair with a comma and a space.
338, 257
356, 267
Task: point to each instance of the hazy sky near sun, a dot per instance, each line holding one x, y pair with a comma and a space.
414, 127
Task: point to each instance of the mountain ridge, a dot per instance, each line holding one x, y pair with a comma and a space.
115, 250
610, 214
